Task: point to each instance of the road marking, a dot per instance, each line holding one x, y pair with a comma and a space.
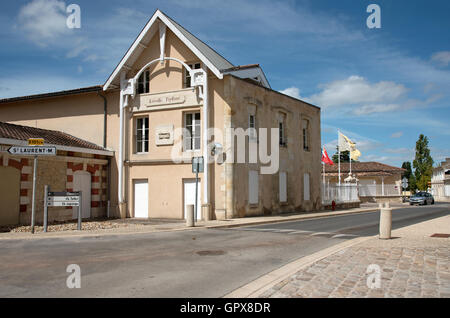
343, 235
323, 234
301, 232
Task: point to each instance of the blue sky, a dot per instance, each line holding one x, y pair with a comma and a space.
381, 87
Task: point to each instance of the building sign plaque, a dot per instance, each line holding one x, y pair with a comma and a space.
164, 135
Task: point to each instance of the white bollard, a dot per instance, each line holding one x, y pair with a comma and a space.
385, 223
190, 215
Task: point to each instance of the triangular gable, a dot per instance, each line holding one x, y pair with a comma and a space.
214, 61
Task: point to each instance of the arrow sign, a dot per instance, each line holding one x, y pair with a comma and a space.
404, 183
32, 151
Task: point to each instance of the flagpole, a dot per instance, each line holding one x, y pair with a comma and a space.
339, 159
350, 158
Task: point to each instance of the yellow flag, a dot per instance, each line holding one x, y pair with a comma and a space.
346, 144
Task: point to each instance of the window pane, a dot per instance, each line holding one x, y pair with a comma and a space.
197, 143
188, 119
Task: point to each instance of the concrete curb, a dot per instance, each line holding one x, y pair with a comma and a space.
257, 287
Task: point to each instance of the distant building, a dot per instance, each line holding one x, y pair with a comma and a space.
440, 182
377, 182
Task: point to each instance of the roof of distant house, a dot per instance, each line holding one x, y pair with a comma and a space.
81, 90
363, 169
51, 137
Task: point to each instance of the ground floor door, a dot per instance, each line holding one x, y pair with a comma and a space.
82, 182
9, 195
189, 196
141, 199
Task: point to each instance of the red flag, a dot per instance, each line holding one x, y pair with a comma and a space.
325, 158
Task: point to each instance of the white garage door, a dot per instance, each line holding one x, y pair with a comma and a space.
141, 199
189, 197
82, 182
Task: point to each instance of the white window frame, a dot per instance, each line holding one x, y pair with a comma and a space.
187, 76
194, 130
144, 81
143, 128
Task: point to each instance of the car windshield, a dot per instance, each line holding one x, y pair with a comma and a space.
419, 195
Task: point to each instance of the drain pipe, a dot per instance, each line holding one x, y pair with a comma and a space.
205, 141
105, 114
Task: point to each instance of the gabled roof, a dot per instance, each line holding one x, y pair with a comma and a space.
213, 60
366, 168
20, 133
82, 90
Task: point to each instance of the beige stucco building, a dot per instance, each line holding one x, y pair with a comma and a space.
154, 114
440, 182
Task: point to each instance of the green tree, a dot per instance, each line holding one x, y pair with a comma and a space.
345, 157
423, 163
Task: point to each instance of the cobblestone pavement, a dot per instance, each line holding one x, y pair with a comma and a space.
412, 265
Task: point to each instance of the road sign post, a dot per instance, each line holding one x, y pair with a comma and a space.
36, 149
33, 198
197, 166
66, 199
46, 190
79, 211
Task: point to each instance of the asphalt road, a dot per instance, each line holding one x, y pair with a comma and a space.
198, 263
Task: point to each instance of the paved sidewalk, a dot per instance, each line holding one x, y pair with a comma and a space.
133, 226
413, 265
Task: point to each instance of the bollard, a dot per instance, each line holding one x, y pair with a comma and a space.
190, 215
385, 223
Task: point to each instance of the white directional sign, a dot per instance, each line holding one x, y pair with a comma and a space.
63, 199
32, 151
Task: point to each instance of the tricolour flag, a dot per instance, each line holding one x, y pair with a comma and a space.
325, 158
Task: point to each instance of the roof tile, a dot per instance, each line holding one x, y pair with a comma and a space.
18, 132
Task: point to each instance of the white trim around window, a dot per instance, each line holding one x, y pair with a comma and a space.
141, 135
192, 131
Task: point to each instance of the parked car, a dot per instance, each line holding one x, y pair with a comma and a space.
422, 198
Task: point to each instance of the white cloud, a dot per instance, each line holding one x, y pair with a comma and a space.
442, 57
357, 90
397, 134
380, 108
409, 151
292, 91
43, 21
376, 158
